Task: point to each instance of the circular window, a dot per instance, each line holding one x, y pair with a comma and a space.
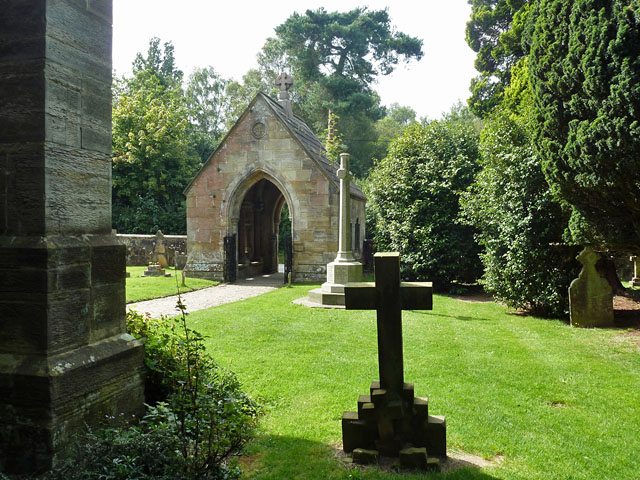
259, 129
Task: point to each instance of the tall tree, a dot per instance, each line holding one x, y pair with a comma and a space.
153, 154
360, 44
159, 63
496, 32
335, 58
208, 107
585, 72
390, 127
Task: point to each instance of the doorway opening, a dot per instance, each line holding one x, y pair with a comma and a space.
264, 227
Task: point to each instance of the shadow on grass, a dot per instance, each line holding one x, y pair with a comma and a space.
464, 318
282, 457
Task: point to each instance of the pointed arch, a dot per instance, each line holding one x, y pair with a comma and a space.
236, 191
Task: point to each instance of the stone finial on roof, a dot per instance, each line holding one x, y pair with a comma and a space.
284, 82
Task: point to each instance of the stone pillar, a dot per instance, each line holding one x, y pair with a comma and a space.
344, 234
65, 359
344, 268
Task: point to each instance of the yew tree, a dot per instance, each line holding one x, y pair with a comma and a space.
585, 75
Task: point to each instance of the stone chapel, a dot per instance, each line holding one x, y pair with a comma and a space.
270, 157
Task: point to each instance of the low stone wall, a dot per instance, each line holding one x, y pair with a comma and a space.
140, 248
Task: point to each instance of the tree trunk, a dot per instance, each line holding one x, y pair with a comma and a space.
607, 269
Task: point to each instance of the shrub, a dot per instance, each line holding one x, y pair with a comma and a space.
199, 421
414, 202
519, 223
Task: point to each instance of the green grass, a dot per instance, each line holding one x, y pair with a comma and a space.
553, 401
145, 288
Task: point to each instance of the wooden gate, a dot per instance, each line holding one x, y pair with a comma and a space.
230, 259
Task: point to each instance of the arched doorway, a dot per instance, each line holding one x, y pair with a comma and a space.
258, 229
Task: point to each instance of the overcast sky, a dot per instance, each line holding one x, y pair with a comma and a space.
228, 34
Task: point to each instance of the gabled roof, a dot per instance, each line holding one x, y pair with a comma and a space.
302, 133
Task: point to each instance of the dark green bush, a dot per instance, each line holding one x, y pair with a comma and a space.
414, 202
519, 223
200, 418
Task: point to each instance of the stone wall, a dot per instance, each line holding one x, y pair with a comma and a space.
140, 248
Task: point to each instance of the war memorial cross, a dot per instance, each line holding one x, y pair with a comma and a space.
389, 296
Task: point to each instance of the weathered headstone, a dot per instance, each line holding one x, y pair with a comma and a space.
160, 250
590, 295
180, 260
344, 268
635, 281
391, 420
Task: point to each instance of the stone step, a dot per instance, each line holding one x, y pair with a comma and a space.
326, 298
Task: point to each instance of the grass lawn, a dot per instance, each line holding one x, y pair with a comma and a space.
145, 288
550, 401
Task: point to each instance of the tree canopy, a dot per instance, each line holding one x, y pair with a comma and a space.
208, 109
519, 224
497, 33
585, 72
154, 154
335, 58
360, 44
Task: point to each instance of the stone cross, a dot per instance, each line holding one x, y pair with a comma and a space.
284, 82
388, 296
344, 230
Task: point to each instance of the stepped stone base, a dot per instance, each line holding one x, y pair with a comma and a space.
635, 282
332, 291
155, 270
395, 427
322, 297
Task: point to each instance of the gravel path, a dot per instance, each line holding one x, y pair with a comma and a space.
211, 296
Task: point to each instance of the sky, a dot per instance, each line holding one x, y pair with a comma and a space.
228, 34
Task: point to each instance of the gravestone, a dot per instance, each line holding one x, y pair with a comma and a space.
160, 250
391, 420
180, 260
635, 281
590, 295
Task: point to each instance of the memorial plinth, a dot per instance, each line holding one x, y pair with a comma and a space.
155, 270
391, 420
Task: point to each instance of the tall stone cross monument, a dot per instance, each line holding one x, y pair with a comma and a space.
390, 420
344, 268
